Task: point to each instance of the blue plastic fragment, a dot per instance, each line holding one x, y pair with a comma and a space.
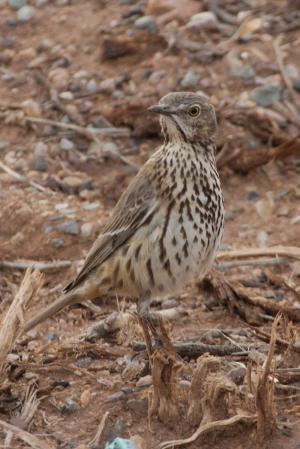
120, 443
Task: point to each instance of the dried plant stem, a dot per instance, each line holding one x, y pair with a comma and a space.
10, 325
274, 251
22, 178
266, 418
31, 440
96, 440
214, 426
41, 266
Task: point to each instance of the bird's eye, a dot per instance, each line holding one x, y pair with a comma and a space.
194, 111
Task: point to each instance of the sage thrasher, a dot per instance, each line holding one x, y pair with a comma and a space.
166, 227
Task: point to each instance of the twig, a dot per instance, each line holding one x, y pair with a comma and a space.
195, 350
90, 134
292, 252
96, 440
22, 178
252, 263
214, 426
266, 418
31, 440
41, 266
9, 328
265, 336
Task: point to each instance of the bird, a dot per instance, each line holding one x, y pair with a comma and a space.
166, 228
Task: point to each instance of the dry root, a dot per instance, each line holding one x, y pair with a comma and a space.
10, 325
165, 386
266, 416
251, 308
205, 366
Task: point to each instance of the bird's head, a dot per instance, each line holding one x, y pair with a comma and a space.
187, 116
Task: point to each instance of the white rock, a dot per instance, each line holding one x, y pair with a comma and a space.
25, 13
203, 21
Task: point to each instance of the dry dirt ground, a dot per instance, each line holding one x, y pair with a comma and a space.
68, 44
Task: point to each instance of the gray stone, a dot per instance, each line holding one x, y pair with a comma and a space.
91, 206
70, 227
83, 362
244, 71
3, 145
295, 220
57, 243
190, 79
91, 86
52, 336
296, 85
41, 2
66, 144
17, 4
205, 20
237, 375
87, 229
40, 164
253, 196
146, 23
48, 229
266, 95
69, 407
138, 406
26, 13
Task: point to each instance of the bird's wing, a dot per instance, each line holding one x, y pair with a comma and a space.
133, 209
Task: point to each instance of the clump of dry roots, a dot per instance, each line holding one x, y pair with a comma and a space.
215, 402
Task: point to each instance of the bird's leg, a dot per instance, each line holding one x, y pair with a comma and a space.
150, 322
153, 322
143, 312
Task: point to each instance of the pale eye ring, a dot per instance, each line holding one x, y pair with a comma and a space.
194, 110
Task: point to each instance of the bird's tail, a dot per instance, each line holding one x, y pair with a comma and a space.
69, 298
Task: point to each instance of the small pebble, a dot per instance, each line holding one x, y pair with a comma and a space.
41, 164
138, 406
296, 85
17, 4
295, 220
267, 95
253, 196
52, 336
205, 20
70, 227
245, 72
59, 77
146, 23
66, 95
237, 375
190, 79
91, 86
66, 144
57, 243
83, 362
87, 229
25, 13
69, 407
91, 206
144, 381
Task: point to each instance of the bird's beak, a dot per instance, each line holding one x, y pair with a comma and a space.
161, 109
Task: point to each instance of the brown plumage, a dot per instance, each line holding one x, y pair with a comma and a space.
165, 229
